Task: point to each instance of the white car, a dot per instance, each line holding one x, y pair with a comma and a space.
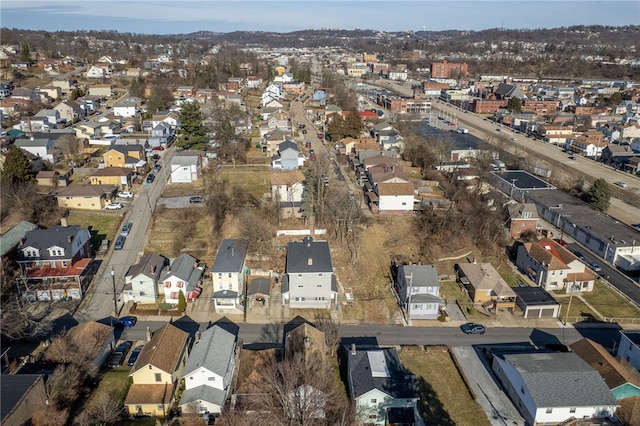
621, 184
125, 194
113, 206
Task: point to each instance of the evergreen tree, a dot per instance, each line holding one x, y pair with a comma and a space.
599, 195
192, 133
515, 105
17, 167
25, 53
182, 302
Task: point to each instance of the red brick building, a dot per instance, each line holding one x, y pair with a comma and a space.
445, 69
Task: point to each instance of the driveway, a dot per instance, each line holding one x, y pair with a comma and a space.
177, 202
495, 403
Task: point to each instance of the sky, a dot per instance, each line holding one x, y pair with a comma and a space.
185, 16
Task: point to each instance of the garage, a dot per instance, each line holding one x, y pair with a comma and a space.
535, 303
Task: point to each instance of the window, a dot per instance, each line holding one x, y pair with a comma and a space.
64, 263
549, 410
142, 293
572, 409
416, 306
220, 275
526, 215
190, 377
229, 275
522, 389
300, 275
319, 275
180, 284
160, 407
230, 286
220, 286
374, 401
167, 284
300, 286
158, 377
211, 379
318, 285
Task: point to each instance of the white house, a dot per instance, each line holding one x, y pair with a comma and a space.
309, 281
98, 72
550, 388
207, 375
228, 274
553, 267
142, 279
126, 108
379, 385
184, 276
186, 166
41, 147
395, 197
629, 348
35, 124
287, 189
418, 289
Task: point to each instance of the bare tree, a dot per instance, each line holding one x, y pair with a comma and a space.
63, 387
322, 321
191, 417
257, 231
22, 320
68, 149
50, 416
105, 408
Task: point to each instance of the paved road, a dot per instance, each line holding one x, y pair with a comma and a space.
99, 302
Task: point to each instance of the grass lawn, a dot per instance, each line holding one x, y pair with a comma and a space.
104, 225
444, 397
451, 290
579, 311
609, 303
115, 381
253, 179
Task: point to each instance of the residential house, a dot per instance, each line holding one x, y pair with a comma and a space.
95, 335
85, 197
287, 189
101, 90
96, 71
142, 280
228, 274
392, 198
157, 372
41, 147
56, 262
633, 165
187, 166
66, 86
21, 395
551, 388
161, 135
617, 155
24, 93
288, 157
35, 124
89, 130
53, 116
9, 242
485, 286
379, 385
618, 374
128, 156
209, 370
273, 139
629, 347
535, 302
523, 217
48, 178
167, 117
309, 281
418, 289
121, 177
127, 108
279, 119
253, 82
70, 111
184, 276
554, 267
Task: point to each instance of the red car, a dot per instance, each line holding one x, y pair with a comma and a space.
158, 148
563, 243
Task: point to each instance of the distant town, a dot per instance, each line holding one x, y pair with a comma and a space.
320, 228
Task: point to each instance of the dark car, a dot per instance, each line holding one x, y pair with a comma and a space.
118, 355
195, 199
595, 266
126, 228
150, 177
579, 255
119, 244
156, 168
126, 322
134, 355
472, 328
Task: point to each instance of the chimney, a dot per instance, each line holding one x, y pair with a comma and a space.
233, 251
197, 337
69, 239
309, 261
63, 222
153, 269
353, 349
148, 334
306, 341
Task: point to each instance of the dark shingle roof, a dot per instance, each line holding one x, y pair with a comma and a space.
42, 239
185, 268
260, 285
308, 256
231, 255
287, 145
150, 265
13, 388
214, 351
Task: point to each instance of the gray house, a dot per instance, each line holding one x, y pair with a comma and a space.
228, 274
309, 281
418, 288
207, 375
287, 156
141, 280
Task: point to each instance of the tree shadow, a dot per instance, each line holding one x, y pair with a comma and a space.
430, 407
270, 336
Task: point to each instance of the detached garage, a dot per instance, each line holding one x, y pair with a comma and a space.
535, 302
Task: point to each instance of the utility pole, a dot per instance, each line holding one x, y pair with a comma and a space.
566, 314
115, 296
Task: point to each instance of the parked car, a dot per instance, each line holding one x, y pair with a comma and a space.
621, 184
579, 255
156, 168
595, 266
125, 194
572, 157
118, 355
304, 131
563, 243
127, 322
195, 199
119, 244
126, 228
158, 148
113, 206
134, 355
472, 328
150, 177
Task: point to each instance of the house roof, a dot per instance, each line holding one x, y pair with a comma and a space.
147, 265
214, 351
149, 394
612, 371
185, 267
287, 145
10, 239
113, 171
307, 340
92, 332
534, 296
421, 275
42, 239
484, 277
83, 190
308, 256
395, 189
550, 253
231, 255
23, 143
561, 379
371, 367
164, 349
14, 387
203, 393
287, 178
259, 285
517, 211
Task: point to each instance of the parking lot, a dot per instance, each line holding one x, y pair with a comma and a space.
178, 202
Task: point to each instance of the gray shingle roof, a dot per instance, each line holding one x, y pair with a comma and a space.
308, 256
58, 236
386, 374
183, 268
146, 266
561, 380
12, 237
260, 285
231, 255
215, 352
203, 393
287, 145
13, 388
